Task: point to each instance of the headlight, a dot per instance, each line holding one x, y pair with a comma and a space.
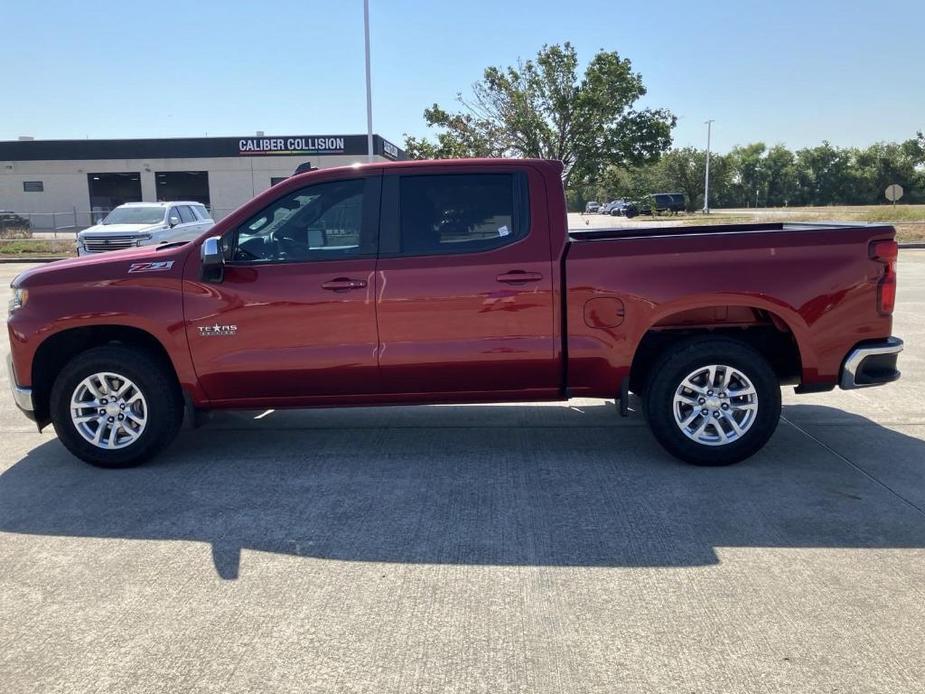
139, 241
20, 296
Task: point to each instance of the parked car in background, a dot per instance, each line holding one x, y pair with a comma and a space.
10, 221
592, 206
145, 224
617, 208
656, 203
669, 202
451, 281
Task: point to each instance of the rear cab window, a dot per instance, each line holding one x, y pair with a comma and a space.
456, 213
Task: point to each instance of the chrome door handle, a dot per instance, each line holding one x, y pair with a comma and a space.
343, 284
519, 277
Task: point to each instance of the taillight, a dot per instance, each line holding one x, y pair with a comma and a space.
886, 252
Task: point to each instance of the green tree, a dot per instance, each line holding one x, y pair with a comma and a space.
748, 181
824, 175
542, 108
780, 174
683, 170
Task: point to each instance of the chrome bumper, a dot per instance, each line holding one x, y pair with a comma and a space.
21, 396
871, 364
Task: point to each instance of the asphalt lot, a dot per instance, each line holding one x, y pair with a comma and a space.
534, 548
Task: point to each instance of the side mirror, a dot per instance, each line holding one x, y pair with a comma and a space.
213, 260
173, 221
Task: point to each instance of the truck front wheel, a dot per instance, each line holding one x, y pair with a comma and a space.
712, 401
115, 407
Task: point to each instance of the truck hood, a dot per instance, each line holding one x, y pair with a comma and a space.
112, 266
117, 229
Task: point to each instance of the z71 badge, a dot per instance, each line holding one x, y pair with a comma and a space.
217, 330
160, 266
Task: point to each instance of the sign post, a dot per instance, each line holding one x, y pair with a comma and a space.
893, 193
369, 88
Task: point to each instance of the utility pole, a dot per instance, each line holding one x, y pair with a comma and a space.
369, 87
706, 181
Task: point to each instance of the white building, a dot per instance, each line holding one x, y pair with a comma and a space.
69, 183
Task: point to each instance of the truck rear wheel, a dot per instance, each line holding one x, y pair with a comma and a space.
712, 401
115, 407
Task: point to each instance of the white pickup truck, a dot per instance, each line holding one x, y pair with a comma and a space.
145, 224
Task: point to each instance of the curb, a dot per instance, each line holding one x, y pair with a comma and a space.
917, 244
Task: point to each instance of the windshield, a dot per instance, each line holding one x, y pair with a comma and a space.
135, 215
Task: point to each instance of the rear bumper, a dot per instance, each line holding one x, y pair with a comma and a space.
871, 364
21, 396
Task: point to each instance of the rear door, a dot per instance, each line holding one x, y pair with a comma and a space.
294, 318
188, 229
465, 298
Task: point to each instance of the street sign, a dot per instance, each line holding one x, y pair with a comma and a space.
894, 192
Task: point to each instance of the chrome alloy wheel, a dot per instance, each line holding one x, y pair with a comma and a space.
108, 410
715, 405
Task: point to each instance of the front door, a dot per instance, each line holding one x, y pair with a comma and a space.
294, 317
465, 285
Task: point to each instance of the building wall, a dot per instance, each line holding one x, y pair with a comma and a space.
232, 182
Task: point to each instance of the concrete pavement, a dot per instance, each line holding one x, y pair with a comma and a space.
534, 548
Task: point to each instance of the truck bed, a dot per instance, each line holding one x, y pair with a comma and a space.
815, 282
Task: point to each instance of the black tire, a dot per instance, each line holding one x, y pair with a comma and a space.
670, 370
152, 377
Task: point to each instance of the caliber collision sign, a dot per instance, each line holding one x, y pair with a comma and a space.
290, 145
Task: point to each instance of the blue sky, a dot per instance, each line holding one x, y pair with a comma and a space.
849, 71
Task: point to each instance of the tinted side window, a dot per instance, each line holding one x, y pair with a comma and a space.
461, 213
186, 214
203, 213
324, 221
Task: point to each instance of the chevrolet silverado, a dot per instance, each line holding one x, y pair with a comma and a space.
451, 282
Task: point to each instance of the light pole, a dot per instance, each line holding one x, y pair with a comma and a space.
706, 181
369, 87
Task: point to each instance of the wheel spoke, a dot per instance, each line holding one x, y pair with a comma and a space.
690, 385
702, 428
110, 443
733, 423
743, 406
131, 433
93, 387
711, 376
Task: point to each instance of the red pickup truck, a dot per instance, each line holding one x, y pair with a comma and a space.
451, 282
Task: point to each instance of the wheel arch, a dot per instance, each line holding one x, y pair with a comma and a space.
766, 330
61, 347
